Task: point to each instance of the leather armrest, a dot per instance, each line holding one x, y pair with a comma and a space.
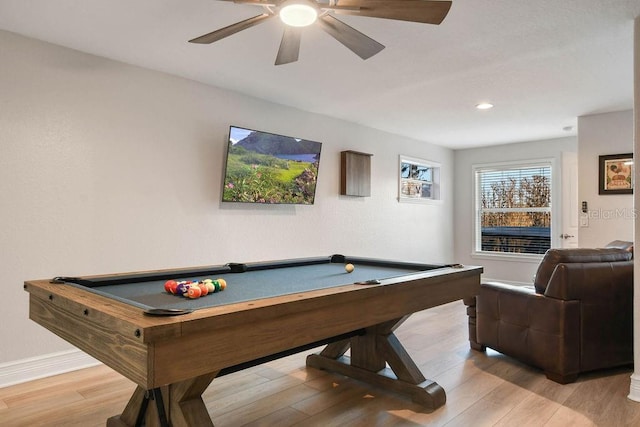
505, 287
519, 322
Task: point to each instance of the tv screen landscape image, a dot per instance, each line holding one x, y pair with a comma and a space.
263, 167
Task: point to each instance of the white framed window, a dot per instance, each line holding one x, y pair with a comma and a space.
514, 208
419, 180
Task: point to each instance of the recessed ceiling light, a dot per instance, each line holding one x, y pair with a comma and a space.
484, 106
567, 128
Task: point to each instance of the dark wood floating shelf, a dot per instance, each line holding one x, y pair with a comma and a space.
355, 173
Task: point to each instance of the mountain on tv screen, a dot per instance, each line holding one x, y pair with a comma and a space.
263, 167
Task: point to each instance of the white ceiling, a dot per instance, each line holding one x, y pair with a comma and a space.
542, 63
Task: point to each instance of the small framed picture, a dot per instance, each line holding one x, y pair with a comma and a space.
616, 174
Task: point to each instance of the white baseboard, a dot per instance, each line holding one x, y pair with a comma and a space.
634, 389
44, 366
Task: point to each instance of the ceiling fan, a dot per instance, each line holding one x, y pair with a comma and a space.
297, 14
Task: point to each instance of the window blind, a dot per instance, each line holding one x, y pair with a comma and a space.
513, 209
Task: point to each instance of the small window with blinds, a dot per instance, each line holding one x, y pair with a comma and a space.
513, 209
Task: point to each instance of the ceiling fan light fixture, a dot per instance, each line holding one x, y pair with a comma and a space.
298, 13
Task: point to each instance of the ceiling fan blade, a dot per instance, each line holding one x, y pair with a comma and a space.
363, 46
289, 45
231, 29
255, 2
424, 11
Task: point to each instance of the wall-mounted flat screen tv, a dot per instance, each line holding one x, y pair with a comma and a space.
263, 167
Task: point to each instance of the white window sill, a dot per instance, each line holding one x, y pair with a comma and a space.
498, 256
420, 200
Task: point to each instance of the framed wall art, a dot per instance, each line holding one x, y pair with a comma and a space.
616, 174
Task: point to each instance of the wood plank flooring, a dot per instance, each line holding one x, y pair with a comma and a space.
483, 389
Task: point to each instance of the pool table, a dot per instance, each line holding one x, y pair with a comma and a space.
173, 347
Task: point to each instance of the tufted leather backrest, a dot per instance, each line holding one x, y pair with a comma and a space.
553, 257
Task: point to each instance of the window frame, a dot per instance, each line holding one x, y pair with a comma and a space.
436, 191
555, 208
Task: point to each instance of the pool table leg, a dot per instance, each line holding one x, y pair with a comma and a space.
370, 353
183, 405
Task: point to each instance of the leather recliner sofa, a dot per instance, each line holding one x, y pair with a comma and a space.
577, 316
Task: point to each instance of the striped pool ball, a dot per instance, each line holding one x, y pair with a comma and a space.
194, 292
182, 288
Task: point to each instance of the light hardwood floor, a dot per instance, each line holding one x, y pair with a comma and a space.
482, 390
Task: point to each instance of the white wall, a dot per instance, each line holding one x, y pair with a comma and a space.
106, 167
610, 217
520, 271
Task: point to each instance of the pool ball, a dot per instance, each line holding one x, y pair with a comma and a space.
168, 284
349, 268
194, 292
219, 285
182, 288
209, 284
173, 286
203, 288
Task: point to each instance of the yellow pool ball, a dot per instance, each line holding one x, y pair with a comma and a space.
349, 268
